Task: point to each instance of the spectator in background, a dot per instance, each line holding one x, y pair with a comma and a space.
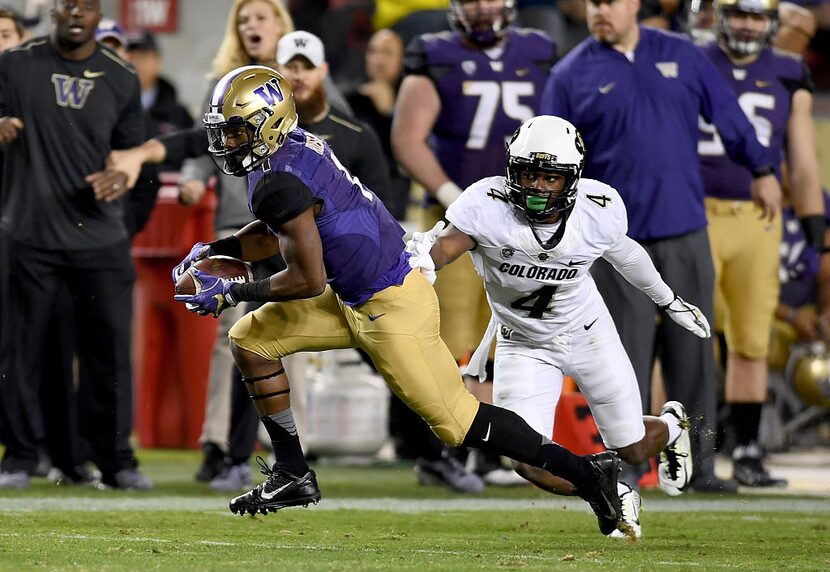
563, 20
775, 91
465, 92
635, 94
56, 139
110, 34
411, 18
11, 29
374, 101
11, 35
158, 96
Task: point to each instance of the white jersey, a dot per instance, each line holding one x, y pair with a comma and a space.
535, 292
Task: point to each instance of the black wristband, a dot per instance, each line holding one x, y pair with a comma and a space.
259, 291
813, 227
763, 172
229, 246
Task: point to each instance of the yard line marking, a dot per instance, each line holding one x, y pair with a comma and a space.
740, 505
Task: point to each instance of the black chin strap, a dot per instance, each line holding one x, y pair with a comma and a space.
554, 240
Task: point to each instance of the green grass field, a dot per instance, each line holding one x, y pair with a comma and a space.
378, 518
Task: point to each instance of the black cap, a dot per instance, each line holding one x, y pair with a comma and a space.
142, 40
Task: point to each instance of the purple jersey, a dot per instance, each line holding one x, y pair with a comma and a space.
799, 262
485, 96
764, 88
363, 249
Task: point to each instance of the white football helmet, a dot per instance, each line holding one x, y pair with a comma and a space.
549, 144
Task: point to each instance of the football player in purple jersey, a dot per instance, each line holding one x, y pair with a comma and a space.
774, 90
348, 283
465, 92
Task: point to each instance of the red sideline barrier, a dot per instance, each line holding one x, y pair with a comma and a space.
172, 347
575, 430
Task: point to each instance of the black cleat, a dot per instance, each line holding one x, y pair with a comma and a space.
748, 468
280, 490
602, 493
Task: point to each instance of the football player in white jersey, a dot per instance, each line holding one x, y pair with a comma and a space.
533, 236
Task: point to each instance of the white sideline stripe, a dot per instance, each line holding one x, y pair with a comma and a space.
396, 505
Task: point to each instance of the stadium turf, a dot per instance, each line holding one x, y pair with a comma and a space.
378, 518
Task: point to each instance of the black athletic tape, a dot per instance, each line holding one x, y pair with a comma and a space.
267, 395
260, 378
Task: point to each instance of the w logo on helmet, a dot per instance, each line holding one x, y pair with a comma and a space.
71, 91
270, 91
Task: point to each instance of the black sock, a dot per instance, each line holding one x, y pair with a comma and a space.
286, 442
505, 433
746, 418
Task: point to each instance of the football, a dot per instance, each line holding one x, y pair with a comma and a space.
220, 266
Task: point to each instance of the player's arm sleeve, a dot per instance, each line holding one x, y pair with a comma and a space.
804, 81
142, 199
633, 262
371, 166
280, 197
719, 106
463, 214
185, 144
415, 59
199, 169
130, 129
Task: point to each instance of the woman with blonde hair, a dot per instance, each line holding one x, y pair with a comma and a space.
251, 35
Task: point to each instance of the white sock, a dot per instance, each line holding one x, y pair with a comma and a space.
673, 424
622, 488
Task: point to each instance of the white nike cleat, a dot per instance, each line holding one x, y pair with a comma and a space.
629, 525
675, 468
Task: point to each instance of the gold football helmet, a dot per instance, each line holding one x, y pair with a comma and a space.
251, 113
810, 374
741, 41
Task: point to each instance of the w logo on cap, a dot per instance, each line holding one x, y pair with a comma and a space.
71, 91
300, 42
270, 91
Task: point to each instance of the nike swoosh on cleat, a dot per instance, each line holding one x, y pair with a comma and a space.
373, 318
268, 496
588, 327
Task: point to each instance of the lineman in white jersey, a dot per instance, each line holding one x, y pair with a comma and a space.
533, 236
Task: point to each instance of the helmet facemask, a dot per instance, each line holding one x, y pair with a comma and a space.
540, 204
484, 36
742, 42
235, 145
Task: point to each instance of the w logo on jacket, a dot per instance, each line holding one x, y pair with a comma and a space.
71, 91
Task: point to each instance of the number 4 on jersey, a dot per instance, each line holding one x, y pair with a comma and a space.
601, 200
537, 302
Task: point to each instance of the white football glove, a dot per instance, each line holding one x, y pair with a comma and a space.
689, 316
419, 246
